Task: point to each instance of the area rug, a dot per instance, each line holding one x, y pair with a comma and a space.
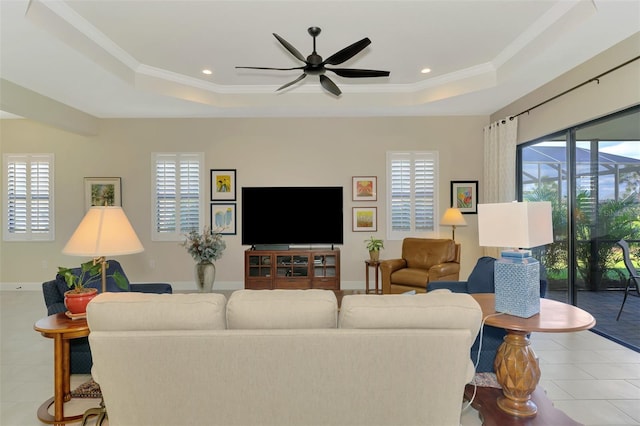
487, 380
89, 389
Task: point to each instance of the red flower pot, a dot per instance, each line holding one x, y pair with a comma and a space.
76, 302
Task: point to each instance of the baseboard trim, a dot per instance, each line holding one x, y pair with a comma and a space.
177, 286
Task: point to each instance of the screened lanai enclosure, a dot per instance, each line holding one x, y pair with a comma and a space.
591, 176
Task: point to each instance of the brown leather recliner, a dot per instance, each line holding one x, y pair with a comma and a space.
423, 260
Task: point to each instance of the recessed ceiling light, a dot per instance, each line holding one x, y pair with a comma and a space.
207, 72
425, 70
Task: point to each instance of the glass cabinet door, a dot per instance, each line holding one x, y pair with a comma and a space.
324, 265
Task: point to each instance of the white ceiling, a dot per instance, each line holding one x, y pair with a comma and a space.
144, 58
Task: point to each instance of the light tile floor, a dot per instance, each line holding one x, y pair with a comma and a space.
593, 380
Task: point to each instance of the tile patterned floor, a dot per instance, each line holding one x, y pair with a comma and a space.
592, 379
604, 306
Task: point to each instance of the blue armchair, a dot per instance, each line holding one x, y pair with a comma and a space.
53, 291
481, 281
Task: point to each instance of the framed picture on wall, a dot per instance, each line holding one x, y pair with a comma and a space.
102, 191
223, 185
223, 218
464, 196
365, 219
364, 188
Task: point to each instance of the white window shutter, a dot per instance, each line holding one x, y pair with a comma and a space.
412, 199
28, 197
177, 202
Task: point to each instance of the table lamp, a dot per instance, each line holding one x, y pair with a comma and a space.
104, 231
517, 274
453, 217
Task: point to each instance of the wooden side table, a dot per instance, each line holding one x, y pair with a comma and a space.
516, 364
375, 265
61, 329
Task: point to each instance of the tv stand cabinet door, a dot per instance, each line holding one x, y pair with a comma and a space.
326, 270
258, 270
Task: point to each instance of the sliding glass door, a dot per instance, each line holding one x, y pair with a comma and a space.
591, 175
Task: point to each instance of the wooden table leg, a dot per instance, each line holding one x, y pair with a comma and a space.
518, 372
376, 276
58, 377
66, 370
366, 279
61, 386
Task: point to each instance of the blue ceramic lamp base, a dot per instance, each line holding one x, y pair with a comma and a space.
517, 284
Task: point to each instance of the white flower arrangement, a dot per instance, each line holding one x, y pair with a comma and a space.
205, 247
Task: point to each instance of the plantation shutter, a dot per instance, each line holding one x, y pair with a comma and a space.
178, 207
28, 200
412, 194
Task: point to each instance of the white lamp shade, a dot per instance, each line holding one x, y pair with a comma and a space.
104, 231
453, 216
516, 225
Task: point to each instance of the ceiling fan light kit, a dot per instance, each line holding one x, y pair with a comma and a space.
315, 65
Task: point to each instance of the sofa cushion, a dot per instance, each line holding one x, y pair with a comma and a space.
436, 310
440, 309
282, 309
112, 267
146, 311
426, 252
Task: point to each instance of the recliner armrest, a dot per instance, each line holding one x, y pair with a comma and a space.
454, 286
444, 270
387, 267
159, 288
392, 265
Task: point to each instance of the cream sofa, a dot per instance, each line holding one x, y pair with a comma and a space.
282, 357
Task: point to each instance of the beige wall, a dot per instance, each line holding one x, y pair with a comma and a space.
615, 91
323, 151
326, 151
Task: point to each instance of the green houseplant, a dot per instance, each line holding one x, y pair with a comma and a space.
89, 272
79, 295
374, 245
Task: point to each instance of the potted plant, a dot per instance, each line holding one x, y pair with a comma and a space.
374, 245
79, 295
205, 248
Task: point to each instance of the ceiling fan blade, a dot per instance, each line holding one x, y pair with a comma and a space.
267, 68
329, 85
290, 48
348, 52
358, 73
292, 82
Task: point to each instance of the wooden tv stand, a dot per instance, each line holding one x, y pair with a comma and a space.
292, 269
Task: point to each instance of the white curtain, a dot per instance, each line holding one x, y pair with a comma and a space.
499, 165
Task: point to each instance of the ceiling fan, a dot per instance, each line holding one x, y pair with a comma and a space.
315, 65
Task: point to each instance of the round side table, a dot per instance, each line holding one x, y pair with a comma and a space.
517, 367
61, 329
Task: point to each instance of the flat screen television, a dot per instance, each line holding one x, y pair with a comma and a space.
292, 215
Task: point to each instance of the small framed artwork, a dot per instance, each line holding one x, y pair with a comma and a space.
464, 196
102, 191
365, 188
365, 219
223, 218
223, 185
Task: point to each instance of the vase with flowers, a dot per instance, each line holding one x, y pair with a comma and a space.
204, 247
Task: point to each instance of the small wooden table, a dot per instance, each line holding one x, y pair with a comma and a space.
516, 364
375, 265
61, 329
